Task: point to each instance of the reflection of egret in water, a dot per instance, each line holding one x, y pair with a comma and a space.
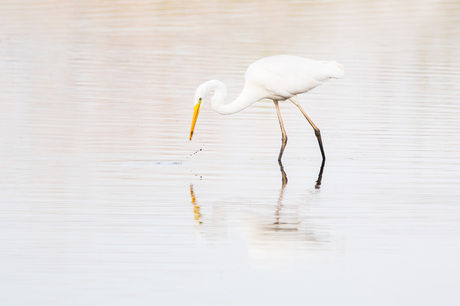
214, 228
285, 179
278, 224
196, 207
289, 235
279, 230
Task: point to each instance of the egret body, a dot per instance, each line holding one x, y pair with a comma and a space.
278, 78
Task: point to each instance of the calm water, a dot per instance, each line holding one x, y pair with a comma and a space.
104, 201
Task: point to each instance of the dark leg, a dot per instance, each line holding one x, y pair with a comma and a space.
320, 176
284, 178
317, 132
283, 132
318, 137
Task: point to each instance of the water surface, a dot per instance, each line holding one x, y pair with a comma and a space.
103, 200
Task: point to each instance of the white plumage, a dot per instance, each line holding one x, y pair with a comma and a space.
283, 76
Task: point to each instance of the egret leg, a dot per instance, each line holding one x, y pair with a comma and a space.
284, 178
280, 200
283, 132
317, 132
320, 176
318, 137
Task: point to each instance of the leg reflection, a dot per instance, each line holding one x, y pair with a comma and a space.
284, 176
284, 179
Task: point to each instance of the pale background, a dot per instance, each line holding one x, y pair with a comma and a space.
104, 201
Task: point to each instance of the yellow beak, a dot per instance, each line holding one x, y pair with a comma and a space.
196, 111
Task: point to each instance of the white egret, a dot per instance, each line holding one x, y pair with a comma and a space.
278, 78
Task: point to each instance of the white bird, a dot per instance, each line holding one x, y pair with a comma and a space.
278, 78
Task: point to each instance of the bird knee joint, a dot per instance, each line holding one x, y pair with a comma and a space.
317, 133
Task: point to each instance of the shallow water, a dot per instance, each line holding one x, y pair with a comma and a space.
103, 200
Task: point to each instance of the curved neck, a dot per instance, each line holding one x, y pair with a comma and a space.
246, 98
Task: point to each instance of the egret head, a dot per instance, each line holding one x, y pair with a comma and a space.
220, 91
196, 111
